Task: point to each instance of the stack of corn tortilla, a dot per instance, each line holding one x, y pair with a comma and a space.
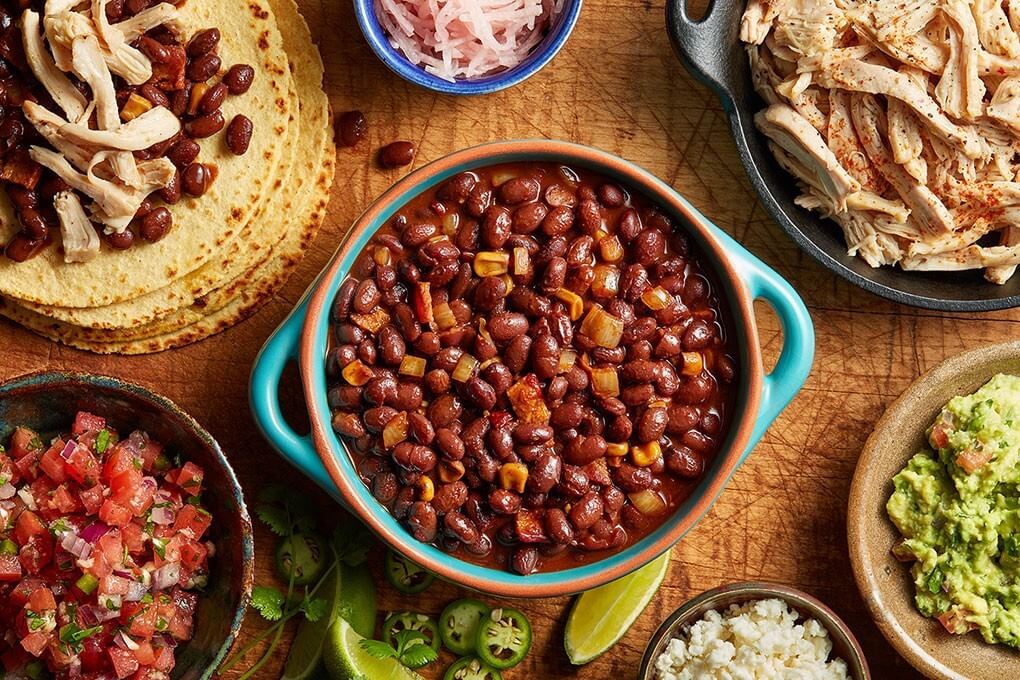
228, 251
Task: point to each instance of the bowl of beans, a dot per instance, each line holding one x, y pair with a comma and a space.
532, 367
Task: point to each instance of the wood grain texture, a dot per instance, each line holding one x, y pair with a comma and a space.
616, 85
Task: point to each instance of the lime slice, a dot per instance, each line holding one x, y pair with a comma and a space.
357, 600
350, 594
346, 660
600, 617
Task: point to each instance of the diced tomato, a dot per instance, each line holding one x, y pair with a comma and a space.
193, 555
42, 600
7, 469
970, 460
35, 643
114, 514
194, 520
114, 585
93, 653
61, 654
27, 526
164, 659
140, 619
24, 590
170, 552
82, 466
52, 464
150, 674
955, 621
111, 545
149, 453
10, 568
87, 422
28, 465
92, 499
141, 501
64, 501
120, 459
145, 654
36, 554
23, 442
124, 485
189, 478
132, 537
939, 438
185, 603
124, 662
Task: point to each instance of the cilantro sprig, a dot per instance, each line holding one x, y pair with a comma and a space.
411, 648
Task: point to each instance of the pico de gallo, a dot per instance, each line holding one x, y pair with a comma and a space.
101, 553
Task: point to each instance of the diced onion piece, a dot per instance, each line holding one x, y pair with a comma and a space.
423, 302
611, 249
439, 237
488, 362
412, 366
7, 490
75, 545
522, 260
694, 363
491, 263
136, 591
644, 455
656, 298
525, 396
606, 283
513, 476
465, 368
600, 234
69, 448
123, 641
135, 106
166, 576
372, 321
357, 373
605, 382
444, 317
648, 502
382, 256
395, 431
603, 328
568, 358
451, 470
451, 221
162, 515
658, 403
617, 449
575, 305
502, 177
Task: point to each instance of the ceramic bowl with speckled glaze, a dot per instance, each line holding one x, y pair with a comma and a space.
884, 581
48, 402
844, 644
760, 396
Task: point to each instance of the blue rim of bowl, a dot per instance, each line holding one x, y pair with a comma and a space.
54, 378
550, 46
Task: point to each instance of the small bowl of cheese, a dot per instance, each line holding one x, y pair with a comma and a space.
753, 630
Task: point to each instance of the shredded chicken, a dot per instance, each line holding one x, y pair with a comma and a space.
900, 122
45, 69
81, 242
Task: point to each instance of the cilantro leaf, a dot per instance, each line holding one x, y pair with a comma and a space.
378, 649
268, 601
275, 518
417, 656
351, 541
314, 608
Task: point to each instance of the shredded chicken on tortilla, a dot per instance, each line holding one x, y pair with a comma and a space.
900, 121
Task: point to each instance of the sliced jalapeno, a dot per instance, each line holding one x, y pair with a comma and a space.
405, 575
504, 638
424, 624
305, 555
458, 625
471, 668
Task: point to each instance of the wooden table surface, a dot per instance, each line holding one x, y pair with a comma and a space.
616, 85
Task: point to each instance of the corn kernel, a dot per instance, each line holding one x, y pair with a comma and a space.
412, 366
693, 363
644, 455
426, 489
611, 249
600, 234
382, 256
395, 430
451, 470
134, 107
357, 373
617, 449
658, 403
489, 263
575, 305
451, 221
502, 177
513, 476
197, 92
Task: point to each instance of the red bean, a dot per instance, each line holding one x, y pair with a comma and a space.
397, 154
239, 134
239, 78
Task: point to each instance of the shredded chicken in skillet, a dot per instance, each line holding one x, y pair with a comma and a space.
900, 120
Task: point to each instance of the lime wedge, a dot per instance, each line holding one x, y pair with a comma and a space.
600, 617
346, 660
350, 594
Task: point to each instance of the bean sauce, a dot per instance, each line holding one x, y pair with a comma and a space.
532, 366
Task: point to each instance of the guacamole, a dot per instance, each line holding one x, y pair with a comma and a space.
957, 505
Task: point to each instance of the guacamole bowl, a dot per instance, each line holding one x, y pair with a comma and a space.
886, 582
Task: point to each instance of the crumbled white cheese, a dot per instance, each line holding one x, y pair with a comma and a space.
759, 640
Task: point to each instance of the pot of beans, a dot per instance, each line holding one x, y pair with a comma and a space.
532, 367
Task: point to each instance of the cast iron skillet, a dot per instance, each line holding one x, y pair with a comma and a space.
712, 52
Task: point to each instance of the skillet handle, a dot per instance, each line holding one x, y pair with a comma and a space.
264, 397
706, 46
795, 360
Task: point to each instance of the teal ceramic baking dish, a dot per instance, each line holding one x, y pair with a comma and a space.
323, 457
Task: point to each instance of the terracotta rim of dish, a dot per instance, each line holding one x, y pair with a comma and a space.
741, 310
738, 593
860, 527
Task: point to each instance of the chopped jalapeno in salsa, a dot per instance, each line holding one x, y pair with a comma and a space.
101, 550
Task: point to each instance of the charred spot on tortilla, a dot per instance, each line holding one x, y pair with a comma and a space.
258, 12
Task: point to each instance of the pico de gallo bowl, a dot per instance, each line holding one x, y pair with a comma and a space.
124, 543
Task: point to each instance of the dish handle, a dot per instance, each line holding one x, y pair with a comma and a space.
705, 45
264, 395
798, 353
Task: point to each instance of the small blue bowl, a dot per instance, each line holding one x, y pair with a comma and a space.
399, 64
